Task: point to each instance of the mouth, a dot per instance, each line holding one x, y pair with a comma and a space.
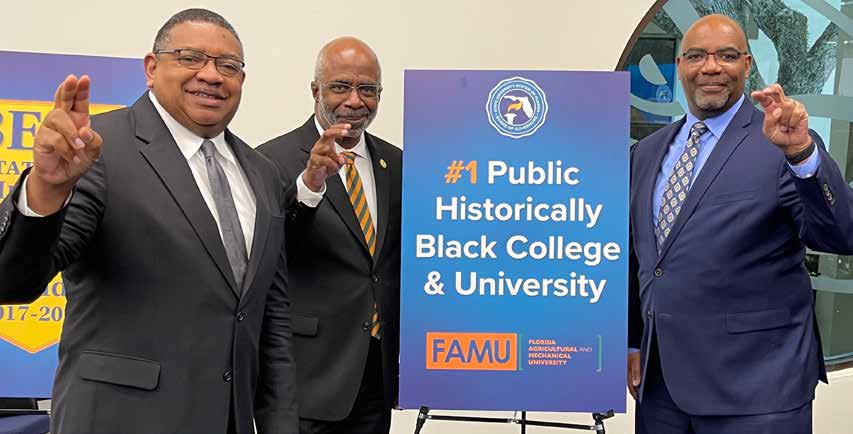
712, 87
206, 98
355, 121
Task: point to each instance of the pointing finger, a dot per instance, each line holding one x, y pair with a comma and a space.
65, 94
81, 97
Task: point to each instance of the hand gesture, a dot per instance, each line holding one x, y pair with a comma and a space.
324, 161
65, 147
786, 122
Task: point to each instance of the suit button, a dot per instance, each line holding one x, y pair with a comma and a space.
375, 278
366, 326
227, 376
658, 272
826, 188
240, 316
649, 314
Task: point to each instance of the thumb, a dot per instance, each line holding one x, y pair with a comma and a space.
93, 142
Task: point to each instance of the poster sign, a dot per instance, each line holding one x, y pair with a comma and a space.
515, 240
29, 333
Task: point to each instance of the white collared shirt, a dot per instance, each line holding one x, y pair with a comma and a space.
363, 164
190, 146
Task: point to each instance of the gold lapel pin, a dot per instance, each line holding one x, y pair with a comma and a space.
383, 163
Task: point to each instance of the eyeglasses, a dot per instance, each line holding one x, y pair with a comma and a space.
368, 91
724, 57
192, 59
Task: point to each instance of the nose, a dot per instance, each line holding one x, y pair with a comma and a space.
711, 66
353, 99
209, 73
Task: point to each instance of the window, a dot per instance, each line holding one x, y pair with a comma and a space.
807, 47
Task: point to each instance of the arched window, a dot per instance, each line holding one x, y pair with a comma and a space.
807, 47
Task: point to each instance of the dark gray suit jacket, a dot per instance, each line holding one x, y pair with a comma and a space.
334, 281
157, 338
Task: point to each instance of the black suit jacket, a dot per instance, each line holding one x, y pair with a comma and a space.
157, 338
334, 281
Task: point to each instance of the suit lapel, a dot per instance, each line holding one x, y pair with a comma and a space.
382, 180
650, 180
733, 136
249, 165
161, 152
336, 193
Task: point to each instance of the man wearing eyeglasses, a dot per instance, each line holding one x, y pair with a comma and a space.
723, 204
343, 247
168, 231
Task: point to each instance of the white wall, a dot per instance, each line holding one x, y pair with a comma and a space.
281, 40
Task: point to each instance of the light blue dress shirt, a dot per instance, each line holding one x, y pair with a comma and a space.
716, 127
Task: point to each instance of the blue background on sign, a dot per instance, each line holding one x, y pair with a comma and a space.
35, 77
586, 127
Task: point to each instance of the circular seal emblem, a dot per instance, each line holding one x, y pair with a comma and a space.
516, 107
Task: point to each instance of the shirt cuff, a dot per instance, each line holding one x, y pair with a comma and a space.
633, 350
307, 197
809, 167
24, 208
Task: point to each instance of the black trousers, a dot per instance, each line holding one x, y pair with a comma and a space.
369, 415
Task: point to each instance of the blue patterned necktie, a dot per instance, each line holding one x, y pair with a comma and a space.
675, 190
229, 223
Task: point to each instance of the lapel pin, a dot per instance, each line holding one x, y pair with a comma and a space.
383, 163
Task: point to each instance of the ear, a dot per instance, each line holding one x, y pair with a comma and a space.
150, 67
315, 91
678, 68
748, 61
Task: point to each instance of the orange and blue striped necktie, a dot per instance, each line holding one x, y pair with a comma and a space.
355, 189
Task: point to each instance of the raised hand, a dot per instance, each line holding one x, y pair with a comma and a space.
786, 122
324, 161
65, 147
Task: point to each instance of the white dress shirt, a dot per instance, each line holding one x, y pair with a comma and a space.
363, 164
190, 146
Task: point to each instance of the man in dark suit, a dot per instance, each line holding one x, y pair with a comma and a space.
343, 224
169, 238
723, 203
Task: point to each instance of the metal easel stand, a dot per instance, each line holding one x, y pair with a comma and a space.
598, 418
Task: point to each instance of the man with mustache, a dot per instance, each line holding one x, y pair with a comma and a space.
723, 204
168, 231
343, 247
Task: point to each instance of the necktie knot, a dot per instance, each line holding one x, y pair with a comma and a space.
208, 149
698, 129
350, 156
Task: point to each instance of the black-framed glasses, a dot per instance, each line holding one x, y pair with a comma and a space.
364, 90
726, 56
192, 59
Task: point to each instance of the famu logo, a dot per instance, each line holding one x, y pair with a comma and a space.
516, 107
472, 351
38, 325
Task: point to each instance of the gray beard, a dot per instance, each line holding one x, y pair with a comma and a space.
712, 103
330, 118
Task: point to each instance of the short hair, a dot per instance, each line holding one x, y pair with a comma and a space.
196, 15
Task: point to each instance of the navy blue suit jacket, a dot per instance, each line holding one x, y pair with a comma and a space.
729, 298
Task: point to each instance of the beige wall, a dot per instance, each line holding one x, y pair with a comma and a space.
281, 40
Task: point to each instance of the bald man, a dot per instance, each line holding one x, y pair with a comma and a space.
723, 204
343, 186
